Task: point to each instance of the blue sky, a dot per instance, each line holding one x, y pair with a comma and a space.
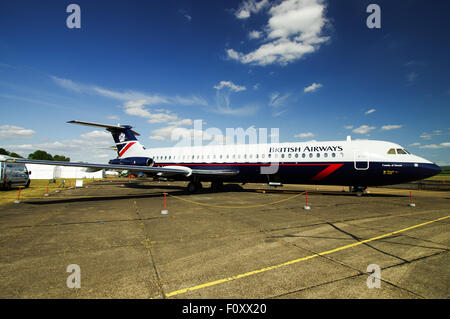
311, 68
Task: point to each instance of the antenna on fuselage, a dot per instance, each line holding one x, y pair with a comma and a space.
349, 138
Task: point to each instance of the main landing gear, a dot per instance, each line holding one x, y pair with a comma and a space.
358, 190
194, 187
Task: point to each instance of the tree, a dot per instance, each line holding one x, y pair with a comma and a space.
61, 158
44, 156
12, 154
40, 155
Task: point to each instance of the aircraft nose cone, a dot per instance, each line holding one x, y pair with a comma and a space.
432, 169
436, 169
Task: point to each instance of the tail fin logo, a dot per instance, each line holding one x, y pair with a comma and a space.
122, 137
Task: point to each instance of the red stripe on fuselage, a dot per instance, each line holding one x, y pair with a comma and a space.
327, 171
126, 148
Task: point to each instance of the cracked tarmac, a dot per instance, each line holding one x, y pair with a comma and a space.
126, 248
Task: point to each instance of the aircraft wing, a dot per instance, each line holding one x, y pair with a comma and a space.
161, 171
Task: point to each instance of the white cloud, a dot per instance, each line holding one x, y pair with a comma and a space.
112, 117
312, 87
250, 6
363, 129
348, 127
102, 155
67, 84
277, 100
370, 111
276, 114
129, 95
254, 34
233, 87
429, 136
223, 102
183, 122
15, 132
293, 30
436, 146
175, 134
414, 144
239, 111
390, 127
304, 135
96, 135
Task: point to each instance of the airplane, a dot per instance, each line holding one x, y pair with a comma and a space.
354, 163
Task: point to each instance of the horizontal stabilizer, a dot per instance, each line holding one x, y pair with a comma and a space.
106, 126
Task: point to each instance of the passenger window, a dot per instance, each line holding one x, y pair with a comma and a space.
325, 155
400, 151
318, 155
310, 155
282, 155
303, 155
391, 151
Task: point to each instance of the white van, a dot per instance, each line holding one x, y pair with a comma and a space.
13, 174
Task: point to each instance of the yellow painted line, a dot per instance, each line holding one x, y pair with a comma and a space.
254, 272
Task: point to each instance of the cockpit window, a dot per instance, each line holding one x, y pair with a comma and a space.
401, 151
391, 151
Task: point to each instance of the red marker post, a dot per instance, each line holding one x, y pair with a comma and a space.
18, 196
46, 191
164, 211
306, 206
411, 203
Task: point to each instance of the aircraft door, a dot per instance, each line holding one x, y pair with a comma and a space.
361, 160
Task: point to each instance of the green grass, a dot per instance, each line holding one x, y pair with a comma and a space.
439, 177
37, 189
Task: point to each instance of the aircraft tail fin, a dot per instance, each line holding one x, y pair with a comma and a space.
125, 138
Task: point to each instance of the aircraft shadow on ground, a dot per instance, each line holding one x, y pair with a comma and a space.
181, 191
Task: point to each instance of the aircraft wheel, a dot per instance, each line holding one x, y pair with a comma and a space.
194, 187
359, 190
